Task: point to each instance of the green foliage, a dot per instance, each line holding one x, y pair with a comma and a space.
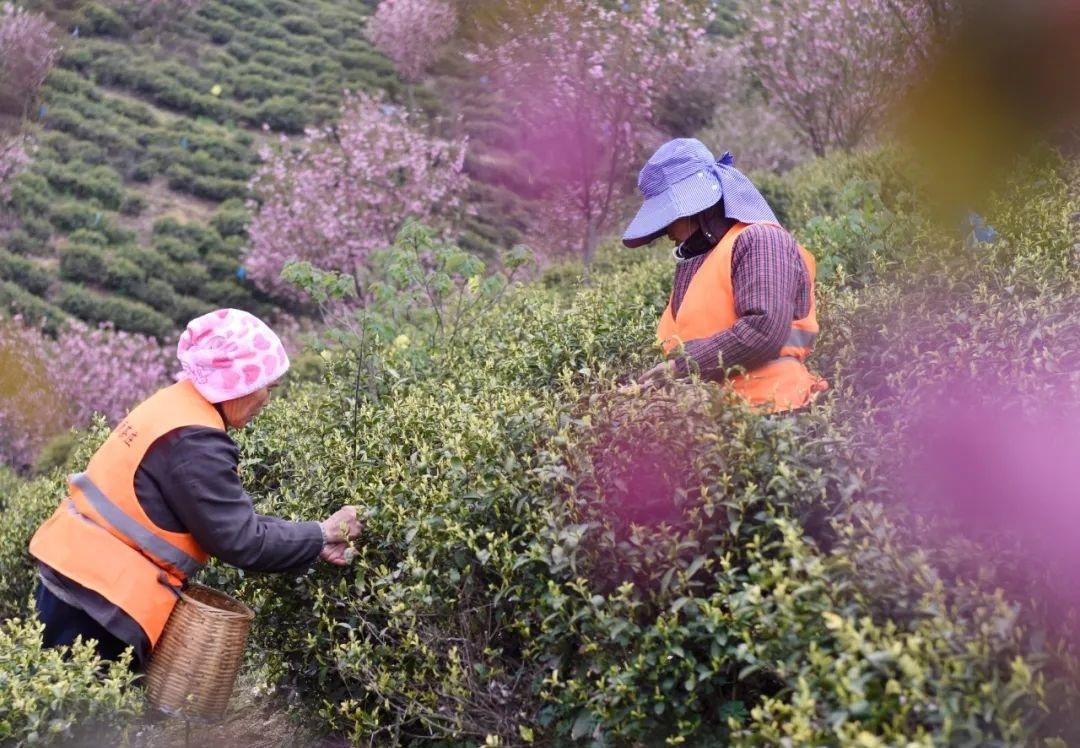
23, 242
71, 216
30, 193
26, 273
231, 219
1036, 216
758, 610
420, 288
817, 187
82, 263
102, 20
284, 113
56, 453
46, 693
17, 300
441, 457
860, 216
95, 183
132, 204
91, 306
510, 583
25, 504
858, 238
25, 508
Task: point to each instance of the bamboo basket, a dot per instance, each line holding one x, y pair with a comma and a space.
193, 669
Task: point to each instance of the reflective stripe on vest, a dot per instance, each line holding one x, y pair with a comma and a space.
135, 533
101, 538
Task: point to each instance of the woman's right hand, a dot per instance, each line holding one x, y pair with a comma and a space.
338, 554
342, 526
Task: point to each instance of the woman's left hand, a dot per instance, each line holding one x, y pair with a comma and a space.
655, 375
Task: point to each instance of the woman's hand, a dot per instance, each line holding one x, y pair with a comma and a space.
342, 526
657, 374
338, 554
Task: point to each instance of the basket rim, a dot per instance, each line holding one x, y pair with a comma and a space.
246, 612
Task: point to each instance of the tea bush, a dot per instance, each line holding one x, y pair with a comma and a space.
94, 307
102, 20
549, 559
26, 273
46, 693
25, 504
18, 300
445, 450
758, 612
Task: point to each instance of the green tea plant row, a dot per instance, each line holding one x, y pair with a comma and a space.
127, 115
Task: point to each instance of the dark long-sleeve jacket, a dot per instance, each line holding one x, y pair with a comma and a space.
188, 482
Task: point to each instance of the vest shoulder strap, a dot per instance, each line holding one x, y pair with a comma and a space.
171, 408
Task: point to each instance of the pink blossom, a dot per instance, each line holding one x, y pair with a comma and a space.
411, 32
834, 66
584, 84
28, 51
347, 189
49, 385
13, 157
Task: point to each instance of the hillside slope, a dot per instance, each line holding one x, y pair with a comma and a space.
133, 209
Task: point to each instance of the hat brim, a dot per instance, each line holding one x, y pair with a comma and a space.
686, 197
651, 221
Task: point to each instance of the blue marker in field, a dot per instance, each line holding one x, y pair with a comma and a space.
981, 231
241, 273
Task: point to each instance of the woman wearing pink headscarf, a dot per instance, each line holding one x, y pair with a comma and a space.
163, 494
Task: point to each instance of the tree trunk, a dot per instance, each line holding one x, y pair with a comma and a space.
588, 249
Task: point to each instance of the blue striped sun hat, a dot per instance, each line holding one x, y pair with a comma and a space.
682, 179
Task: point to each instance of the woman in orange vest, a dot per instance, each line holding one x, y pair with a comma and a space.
162, 495
742, 304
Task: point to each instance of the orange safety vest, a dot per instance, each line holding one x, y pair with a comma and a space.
101, 538
709, 308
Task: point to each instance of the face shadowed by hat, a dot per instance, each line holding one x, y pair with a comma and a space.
682, 179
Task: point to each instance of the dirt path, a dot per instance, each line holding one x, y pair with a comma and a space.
253, 722
161, 201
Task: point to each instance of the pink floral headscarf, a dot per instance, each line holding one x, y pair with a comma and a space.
229, 354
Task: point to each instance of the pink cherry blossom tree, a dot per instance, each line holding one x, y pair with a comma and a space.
28, 50
411, 32
347, 189
583, 82
13, 157
49, 385
834, 66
